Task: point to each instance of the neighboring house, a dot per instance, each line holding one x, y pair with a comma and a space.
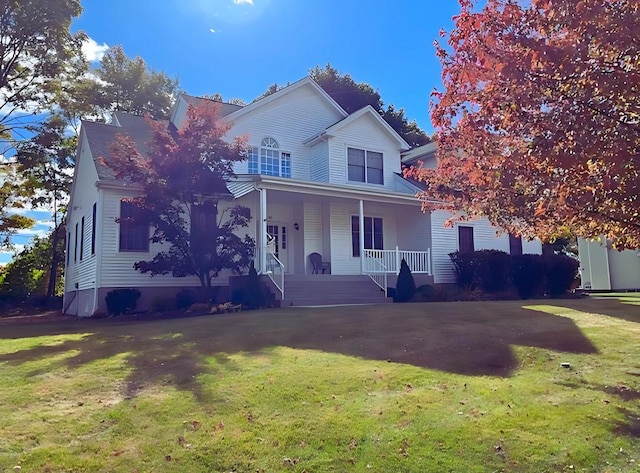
317, 180
603, 268
464, 236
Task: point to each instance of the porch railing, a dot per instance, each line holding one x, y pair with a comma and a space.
388, 261
275, 271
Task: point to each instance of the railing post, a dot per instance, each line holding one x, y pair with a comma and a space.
397, 260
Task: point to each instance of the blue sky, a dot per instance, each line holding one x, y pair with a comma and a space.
239, 47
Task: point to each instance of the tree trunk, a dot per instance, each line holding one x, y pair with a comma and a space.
55, 257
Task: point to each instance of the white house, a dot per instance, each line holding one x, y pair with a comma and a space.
317, 180
603, 268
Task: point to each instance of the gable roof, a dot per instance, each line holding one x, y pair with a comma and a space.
307, 81
370, 111
101, 137
224, 110
420, 153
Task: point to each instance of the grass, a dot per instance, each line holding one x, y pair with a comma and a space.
461, 387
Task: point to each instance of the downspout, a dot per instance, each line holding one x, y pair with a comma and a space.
98, 254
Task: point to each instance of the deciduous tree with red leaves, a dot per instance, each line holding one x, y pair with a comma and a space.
181, 177
539, 123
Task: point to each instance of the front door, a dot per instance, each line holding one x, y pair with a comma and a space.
280, 243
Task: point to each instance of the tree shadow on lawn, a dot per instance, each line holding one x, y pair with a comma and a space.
630, 426
452, 337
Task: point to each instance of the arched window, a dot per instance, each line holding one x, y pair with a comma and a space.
268, 159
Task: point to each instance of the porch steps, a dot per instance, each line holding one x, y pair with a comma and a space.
329, 289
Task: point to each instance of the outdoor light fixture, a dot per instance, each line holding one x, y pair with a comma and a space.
296, 226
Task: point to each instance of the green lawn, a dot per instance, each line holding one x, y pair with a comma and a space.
436, 387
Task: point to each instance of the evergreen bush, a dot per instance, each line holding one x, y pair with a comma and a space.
405, 286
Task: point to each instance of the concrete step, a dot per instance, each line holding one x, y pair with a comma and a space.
329, 289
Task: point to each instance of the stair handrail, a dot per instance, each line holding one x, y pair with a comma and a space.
271, 274
380, 279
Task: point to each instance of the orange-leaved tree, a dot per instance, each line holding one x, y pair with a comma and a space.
181, 177
539, 123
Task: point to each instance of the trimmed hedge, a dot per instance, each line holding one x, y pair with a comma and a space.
488, 270
530, 275
527, 275
121, 301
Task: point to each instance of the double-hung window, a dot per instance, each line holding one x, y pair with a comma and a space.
269, 160
373, 235
134, 229
364, 166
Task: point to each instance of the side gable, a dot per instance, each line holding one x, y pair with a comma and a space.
425, 154
179, 112
306, 82
369, 112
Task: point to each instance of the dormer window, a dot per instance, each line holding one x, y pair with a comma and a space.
269, 160
364, 166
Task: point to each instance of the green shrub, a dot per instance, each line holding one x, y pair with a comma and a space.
484, 269
405, 286
162, 304
121, 301
492, 270
560, 272
527, 274
186, 297
465, 269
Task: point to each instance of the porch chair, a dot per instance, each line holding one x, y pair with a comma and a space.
318, 265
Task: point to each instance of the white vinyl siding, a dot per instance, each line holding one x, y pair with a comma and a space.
290, 119
117, 266
81, 272
363, 134
319, 167
485, 237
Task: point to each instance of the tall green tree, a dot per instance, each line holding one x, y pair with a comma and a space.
132, 87
28, 273
352, 96
35, 43
47, 159
182, 184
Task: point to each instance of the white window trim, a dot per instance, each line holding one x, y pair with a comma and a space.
372, 216
366, 176
465, 224
281, 152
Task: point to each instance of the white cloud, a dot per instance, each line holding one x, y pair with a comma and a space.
243, 2
212, 30
17, 248
93, 51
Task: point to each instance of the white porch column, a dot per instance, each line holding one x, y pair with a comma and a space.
263, 230
361, 234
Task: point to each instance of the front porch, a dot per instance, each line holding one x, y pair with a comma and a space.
356, 232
